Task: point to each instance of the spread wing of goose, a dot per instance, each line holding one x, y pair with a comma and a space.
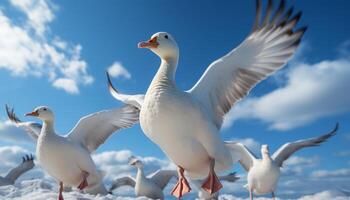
32, 128
26, 165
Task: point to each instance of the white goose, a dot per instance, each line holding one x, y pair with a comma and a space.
151, 187
26, 165
263, 174
186, 124
67, 158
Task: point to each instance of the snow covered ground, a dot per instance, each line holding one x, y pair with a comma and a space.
46, 190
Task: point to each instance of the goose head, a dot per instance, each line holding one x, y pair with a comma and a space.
135, 162
163, 45
43, 112
265, 150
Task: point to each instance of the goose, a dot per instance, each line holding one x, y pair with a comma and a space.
263, 174
186, 124
26, 165
68, 158
151, 186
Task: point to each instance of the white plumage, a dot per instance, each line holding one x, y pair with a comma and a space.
263, 174
185, 124
67, 158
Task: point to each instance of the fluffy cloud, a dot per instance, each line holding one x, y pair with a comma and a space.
30, 49
311, 91
118, 70
331, 174
10, 133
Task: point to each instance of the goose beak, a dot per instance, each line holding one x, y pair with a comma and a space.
152, 43
34, 114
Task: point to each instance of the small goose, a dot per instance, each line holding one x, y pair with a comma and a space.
186, 124
68, 158
263, 174
26, 165
151, 187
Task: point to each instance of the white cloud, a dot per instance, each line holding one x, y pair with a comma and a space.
66, 84
38, 12
312, 91
118, 70
10, 133
331, 173
27, 49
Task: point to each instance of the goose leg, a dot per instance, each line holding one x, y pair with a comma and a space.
250, 194
60, 195
182, 187
84, 182
212, 183
273, 195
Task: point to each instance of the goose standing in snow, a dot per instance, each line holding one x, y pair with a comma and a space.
68, 158
186, 124
263, 174
26, 165
151, 187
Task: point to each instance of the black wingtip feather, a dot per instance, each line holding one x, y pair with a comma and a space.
110, 82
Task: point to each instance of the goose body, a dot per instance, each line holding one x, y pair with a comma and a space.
151, 186
174, 120
57, 154
263, 176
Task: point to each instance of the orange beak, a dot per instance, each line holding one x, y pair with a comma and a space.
34, 114
152, 43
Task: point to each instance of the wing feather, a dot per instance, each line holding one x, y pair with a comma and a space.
124, 181
32, 128
284, 152
246, 157
93, 130
270, 45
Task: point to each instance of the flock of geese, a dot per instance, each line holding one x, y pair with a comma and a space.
184, 124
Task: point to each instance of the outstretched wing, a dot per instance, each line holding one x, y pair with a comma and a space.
93, 130
266, 50
32, 128
284, 152
124, 181
135, 100
162, 177
26, 165
246, 157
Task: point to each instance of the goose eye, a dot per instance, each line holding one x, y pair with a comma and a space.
166, 36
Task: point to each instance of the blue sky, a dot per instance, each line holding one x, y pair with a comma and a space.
108, 32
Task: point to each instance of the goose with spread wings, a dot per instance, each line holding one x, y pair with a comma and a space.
151, 186
68, 158
186, 124
26, 165
263, 174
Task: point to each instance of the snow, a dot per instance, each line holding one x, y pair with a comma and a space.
39, 189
